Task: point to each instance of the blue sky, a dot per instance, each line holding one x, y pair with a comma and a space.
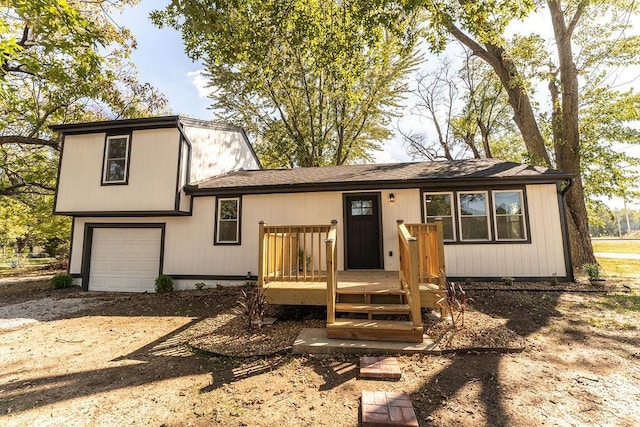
161, 60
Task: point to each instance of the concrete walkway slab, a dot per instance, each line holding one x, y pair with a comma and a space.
315, 341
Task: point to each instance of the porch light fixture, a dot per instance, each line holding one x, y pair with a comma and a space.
392, 197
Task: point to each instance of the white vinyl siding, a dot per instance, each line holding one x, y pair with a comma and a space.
116, 159
188, 248
217, 152
125, 259
542, 257
151, 185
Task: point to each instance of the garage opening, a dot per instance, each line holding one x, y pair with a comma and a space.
124, 258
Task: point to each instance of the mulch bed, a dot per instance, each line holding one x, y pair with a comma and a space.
579, 286
227, 334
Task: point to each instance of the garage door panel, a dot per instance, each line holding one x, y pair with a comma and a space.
125, 259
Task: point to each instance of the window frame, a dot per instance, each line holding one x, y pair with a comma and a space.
216, 239
452, 208
362, 209
487, 214
455, 190
106, 159
522, 215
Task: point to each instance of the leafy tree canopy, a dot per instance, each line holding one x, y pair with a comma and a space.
60, 61
315, 82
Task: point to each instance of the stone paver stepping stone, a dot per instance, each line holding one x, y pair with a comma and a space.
387, 408
380, 368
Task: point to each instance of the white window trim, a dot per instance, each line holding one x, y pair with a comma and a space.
487, 214
495, 215
105, 170
451, 210
218, 220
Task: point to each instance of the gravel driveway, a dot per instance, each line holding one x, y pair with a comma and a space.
24, 313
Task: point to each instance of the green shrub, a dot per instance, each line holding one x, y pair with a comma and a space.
164, 284
592, 270
62, 280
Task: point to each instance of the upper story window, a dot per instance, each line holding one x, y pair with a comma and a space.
509, 215
440, 205
474, 215
228, 221
116, 160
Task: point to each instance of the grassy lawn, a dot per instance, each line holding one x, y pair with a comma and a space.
29, 265
620, 267
619, 246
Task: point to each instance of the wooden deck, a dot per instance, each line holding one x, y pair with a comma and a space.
352, 283
298, 265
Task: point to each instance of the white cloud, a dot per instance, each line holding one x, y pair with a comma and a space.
393, 151
201, 83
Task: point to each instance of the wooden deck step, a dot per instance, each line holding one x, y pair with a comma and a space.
376, 330
373, 308
364, 291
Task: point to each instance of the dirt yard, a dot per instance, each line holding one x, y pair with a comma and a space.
95, 359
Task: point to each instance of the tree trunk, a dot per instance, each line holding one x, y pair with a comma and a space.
569, 159
519, 100
567, 136
484, 134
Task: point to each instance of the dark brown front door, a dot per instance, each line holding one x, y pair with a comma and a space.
363, 241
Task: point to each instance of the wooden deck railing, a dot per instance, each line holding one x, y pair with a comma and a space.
409, 271
430, 252
292, 253
332, 271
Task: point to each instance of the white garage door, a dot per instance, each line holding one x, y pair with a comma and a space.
124, 259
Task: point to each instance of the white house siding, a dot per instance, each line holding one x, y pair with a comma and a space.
152, 174
189, 248
217, 152
543, 257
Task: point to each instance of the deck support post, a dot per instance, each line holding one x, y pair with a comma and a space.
261, 225
414, 286
331, 245
441, 267
399, 222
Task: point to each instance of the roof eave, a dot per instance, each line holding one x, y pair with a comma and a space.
438, 183
146, 122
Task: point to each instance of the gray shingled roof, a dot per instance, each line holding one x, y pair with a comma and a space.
392, 175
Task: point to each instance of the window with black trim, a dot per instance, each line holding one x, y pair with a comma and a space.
479, 216
474, 215
440, 205
228, 221
116, 160
508, 209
